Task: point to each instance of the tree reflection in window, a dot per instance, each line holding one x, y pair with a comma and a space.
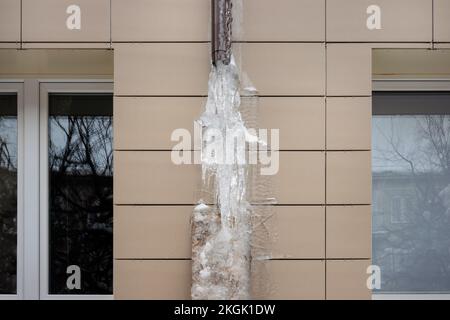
411, 173
8, 193
81, 191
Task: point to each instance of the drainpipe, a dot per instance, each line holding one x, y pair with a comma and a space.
221, 20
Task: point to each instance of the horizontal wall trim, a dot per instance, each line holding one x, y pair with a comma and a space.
152, 259
241, 42
381, 42
205, 96
270, 259
428, 43
162, 41
281, 150
57, 42
259, 96
253, 204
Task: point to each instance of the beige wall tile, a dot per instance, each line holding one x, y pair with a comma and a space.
183, 68
301, 121
349, 232
282, 20
67, 45
9, 45
442, 20
412, 64
349, 70
10, 21
146, 123
45, 20
283, 68
150, 177
152, 279
347, 280
349, 177
301, 178
289, 280
56, 64
179, 69
298, 232
349, 122
401, 20
152, 232
160, 20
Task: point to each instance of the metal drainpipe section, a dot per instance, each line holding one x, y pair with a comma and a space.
222, 20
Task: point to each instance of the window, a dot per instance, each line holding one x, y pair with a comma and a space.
80, 198
411, 190
56, 189
76, 190
8, 193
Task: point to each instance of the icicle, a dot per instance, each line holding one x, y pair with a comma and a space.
221, 234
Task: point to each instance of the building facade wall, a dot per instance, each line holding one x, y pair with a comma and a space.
311, 61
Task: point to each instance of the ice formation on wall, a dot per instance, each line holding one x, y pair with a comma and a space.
221, 232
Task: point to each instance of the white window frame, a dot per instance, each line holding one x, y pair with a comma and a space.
18, 88
432, 84
46, 87
32, 184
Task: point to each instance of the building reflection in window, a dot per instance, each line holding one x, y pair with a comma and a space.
411, 200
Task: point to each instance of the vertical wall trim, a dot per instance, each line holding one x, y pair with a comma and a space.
110, 24
326, 145
21, 25
432, 24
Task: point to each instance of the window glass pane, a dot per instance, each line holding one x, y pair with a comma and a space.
411, 201
8, 193
81, 193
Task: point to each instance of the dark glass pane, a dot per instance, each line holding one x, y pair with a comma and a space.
81, 193
8, 193
411, 202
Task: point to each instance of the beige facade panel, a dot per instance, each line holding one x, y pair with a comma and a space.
150, 177
301, 178
67, 45
349, 70
55, 64
182, 69
349, 177
401, 45
347, 280
9, 21
298, 232
152, 279
301, 121
289, 280
412, 64
349, 122
278, 69
349, 232
160, 20
147, 123
442, 20
48, 21
152, 232
172, 69
282, 20
9, 45
400, 20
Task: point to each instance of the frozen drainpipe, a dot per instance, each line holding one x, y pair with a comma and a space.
222, 20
